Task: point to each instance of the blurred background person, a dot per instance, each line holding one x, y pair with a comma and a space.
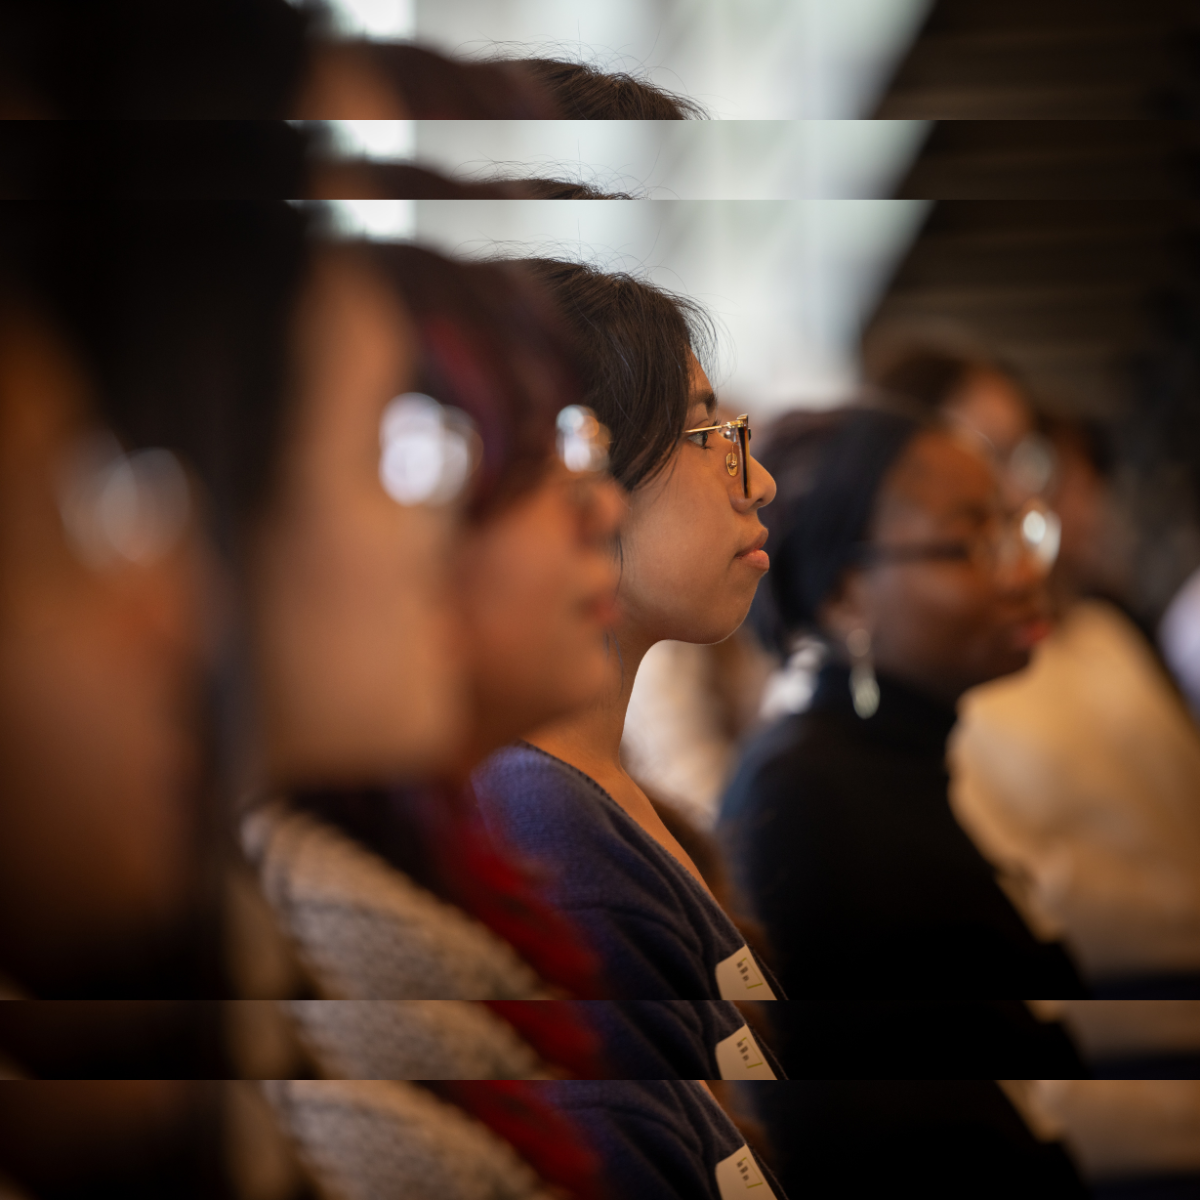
1078, 778
891, 540
894, 545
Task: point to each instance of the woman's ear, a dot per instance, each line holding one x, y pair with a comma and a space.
848, 606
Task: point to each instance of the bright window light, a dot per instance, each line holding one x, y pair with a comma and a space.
374, 139
390, 20
380, 220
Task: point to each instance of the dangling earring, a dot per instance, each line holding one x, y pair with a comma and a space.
731, 463
864, 687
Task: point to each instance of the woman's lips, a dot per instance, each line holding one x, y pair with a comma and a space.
756, 558
754, 554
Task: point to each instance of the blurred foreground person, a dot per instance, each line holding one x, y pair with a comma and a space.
403, 907
520, 537
891, 541
101, 643
135, 60
111, 864
353, 675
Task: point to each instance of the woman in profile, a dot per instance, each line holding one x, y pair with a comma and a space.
691, 557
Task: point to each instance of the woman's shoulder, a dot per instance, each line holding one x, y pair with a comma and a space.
632, 894
523, 772
364, 929
390, 1137
539, 803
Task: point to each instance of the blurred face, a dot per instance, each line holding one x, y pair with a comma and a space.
991, 406
536, 587
359, 671
943, 625
990, 403
100, 657
693, 542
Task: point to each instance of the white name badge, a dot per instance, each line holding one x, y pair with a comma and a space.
739, 1056
738, 978
738, 1175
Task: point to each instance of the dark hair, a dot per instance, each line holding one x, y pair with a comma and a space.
828, 469
436, 87
585, 93
366, 180
492, 345
558, 189
634, 341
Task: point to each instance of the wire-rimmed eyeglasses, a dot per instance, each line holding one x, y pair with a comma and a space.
1034, 531
737, 430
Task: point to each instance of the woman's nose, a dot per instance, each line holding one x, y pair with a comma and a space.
761, 487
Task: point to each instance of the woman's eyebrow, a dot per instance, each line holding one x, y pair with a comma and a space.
709, 400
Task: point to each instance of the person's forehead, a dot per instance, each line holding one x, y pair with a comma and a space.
944, 476
993, 406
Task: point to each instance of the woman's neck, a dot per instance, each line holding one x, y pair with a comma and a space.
591, 742
592, 736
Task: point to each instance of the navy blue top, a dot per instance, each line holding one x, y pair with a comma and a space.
661, 937
667, 1039
663, 1139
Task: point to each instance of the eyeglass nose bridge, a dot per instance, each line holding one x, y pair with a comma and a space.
739, 431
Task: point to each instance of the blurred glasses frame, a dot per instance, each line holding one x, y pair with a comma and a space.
737, 430
1033, 530
583, 440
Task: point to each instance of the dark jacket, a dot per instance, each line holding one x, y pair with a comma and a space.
901, 951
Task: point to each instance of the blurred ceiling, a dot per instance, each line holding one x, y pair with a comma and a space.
1065, 233
1067, 60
